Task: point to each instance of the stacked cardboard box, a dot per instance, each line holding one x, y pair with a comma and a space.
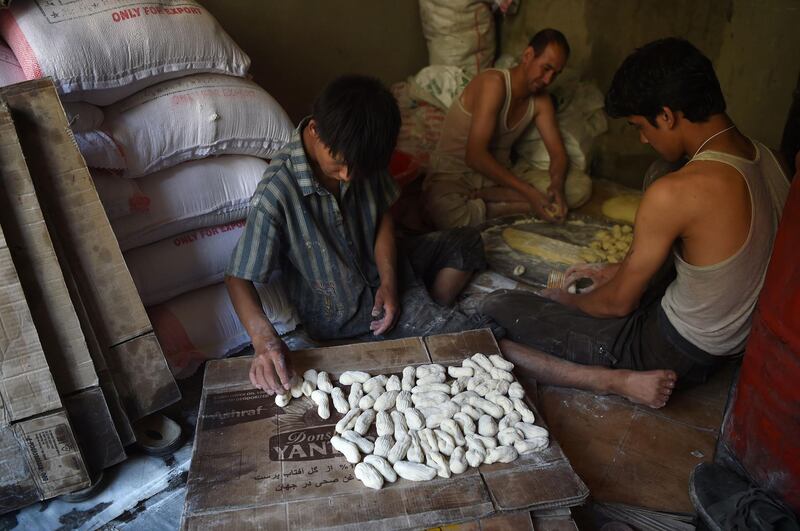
93, 333
38, 454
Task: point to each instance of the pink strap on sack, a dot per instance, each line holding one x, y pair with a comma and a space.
16, 40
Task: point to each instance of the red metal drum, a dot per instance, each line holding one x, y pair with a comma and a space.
762, 426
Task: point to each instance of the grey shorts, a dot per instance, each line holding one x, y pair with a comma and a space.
431, 252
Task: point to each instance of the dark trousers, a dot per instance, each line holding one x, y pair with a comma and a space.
420, 258
643, 340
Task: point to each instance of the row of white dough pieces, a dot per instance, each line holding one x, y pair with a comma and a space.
427, 424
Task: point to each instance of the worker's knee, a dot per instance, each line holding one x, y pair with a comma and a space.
577, 188
466, 240
450, 211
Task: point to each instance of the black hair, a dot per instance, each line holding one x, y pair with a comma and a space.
358, 119
665, 73
548, 36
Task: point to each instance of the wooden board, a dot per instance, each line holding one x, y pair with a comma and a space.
631, 454
579, 230
576, 233
257, 465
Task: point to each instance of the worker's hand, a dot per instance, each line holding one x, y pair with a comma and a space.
541, 205
599, 274
386, 304
558, 202
271, 370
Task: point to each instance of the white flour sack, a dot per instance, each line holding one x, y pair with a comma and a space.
200, 193
420, 127
459, 33
183, 263
101, 51
119, 197
10, 71
187, 119
202, 324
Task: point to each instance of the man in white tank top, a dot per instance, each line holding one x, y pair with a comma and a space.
470, 179
638, 333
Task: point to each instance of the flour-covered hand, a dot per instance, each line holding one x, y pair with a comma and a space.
386, 303
599, 274
558, 202
271, 370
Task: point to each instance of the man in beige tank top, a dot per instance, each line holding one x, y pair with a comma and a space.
647, 326
469, 180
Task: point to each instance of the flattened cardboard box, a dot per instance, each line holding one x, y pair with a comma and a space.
38, 456
38, 267
26, 386
39, 459
546, 520
77, 220
55, 312
66, 192
259, 466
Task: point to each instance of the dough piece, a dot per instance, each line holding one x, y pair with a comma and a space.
622, 207
546, 249
589, 256
609, 245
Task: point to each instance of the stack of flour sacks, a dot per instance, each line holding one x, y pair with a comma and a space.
177, 140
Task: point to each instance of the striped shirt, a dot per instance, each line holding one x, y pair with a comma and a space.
323, 247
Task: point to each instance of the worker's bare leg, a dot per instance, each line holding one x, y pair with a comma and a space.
651, 388
501, 201
448, 284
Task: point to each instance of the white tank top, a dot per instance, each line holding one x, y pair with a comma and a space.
451, 150
711, 306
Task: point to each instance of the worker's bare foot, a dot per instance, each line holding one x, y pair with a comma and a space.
651, 388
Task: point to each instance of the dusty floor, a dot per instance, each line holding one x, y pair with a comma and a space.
633, 455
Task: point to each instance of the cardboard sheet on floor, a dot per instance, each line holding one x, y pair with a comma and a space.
560, 245
255, 464
545, 520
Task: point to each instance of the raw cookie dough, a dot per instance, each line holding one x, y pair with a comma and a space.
609, 246
622, 207
547, 249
